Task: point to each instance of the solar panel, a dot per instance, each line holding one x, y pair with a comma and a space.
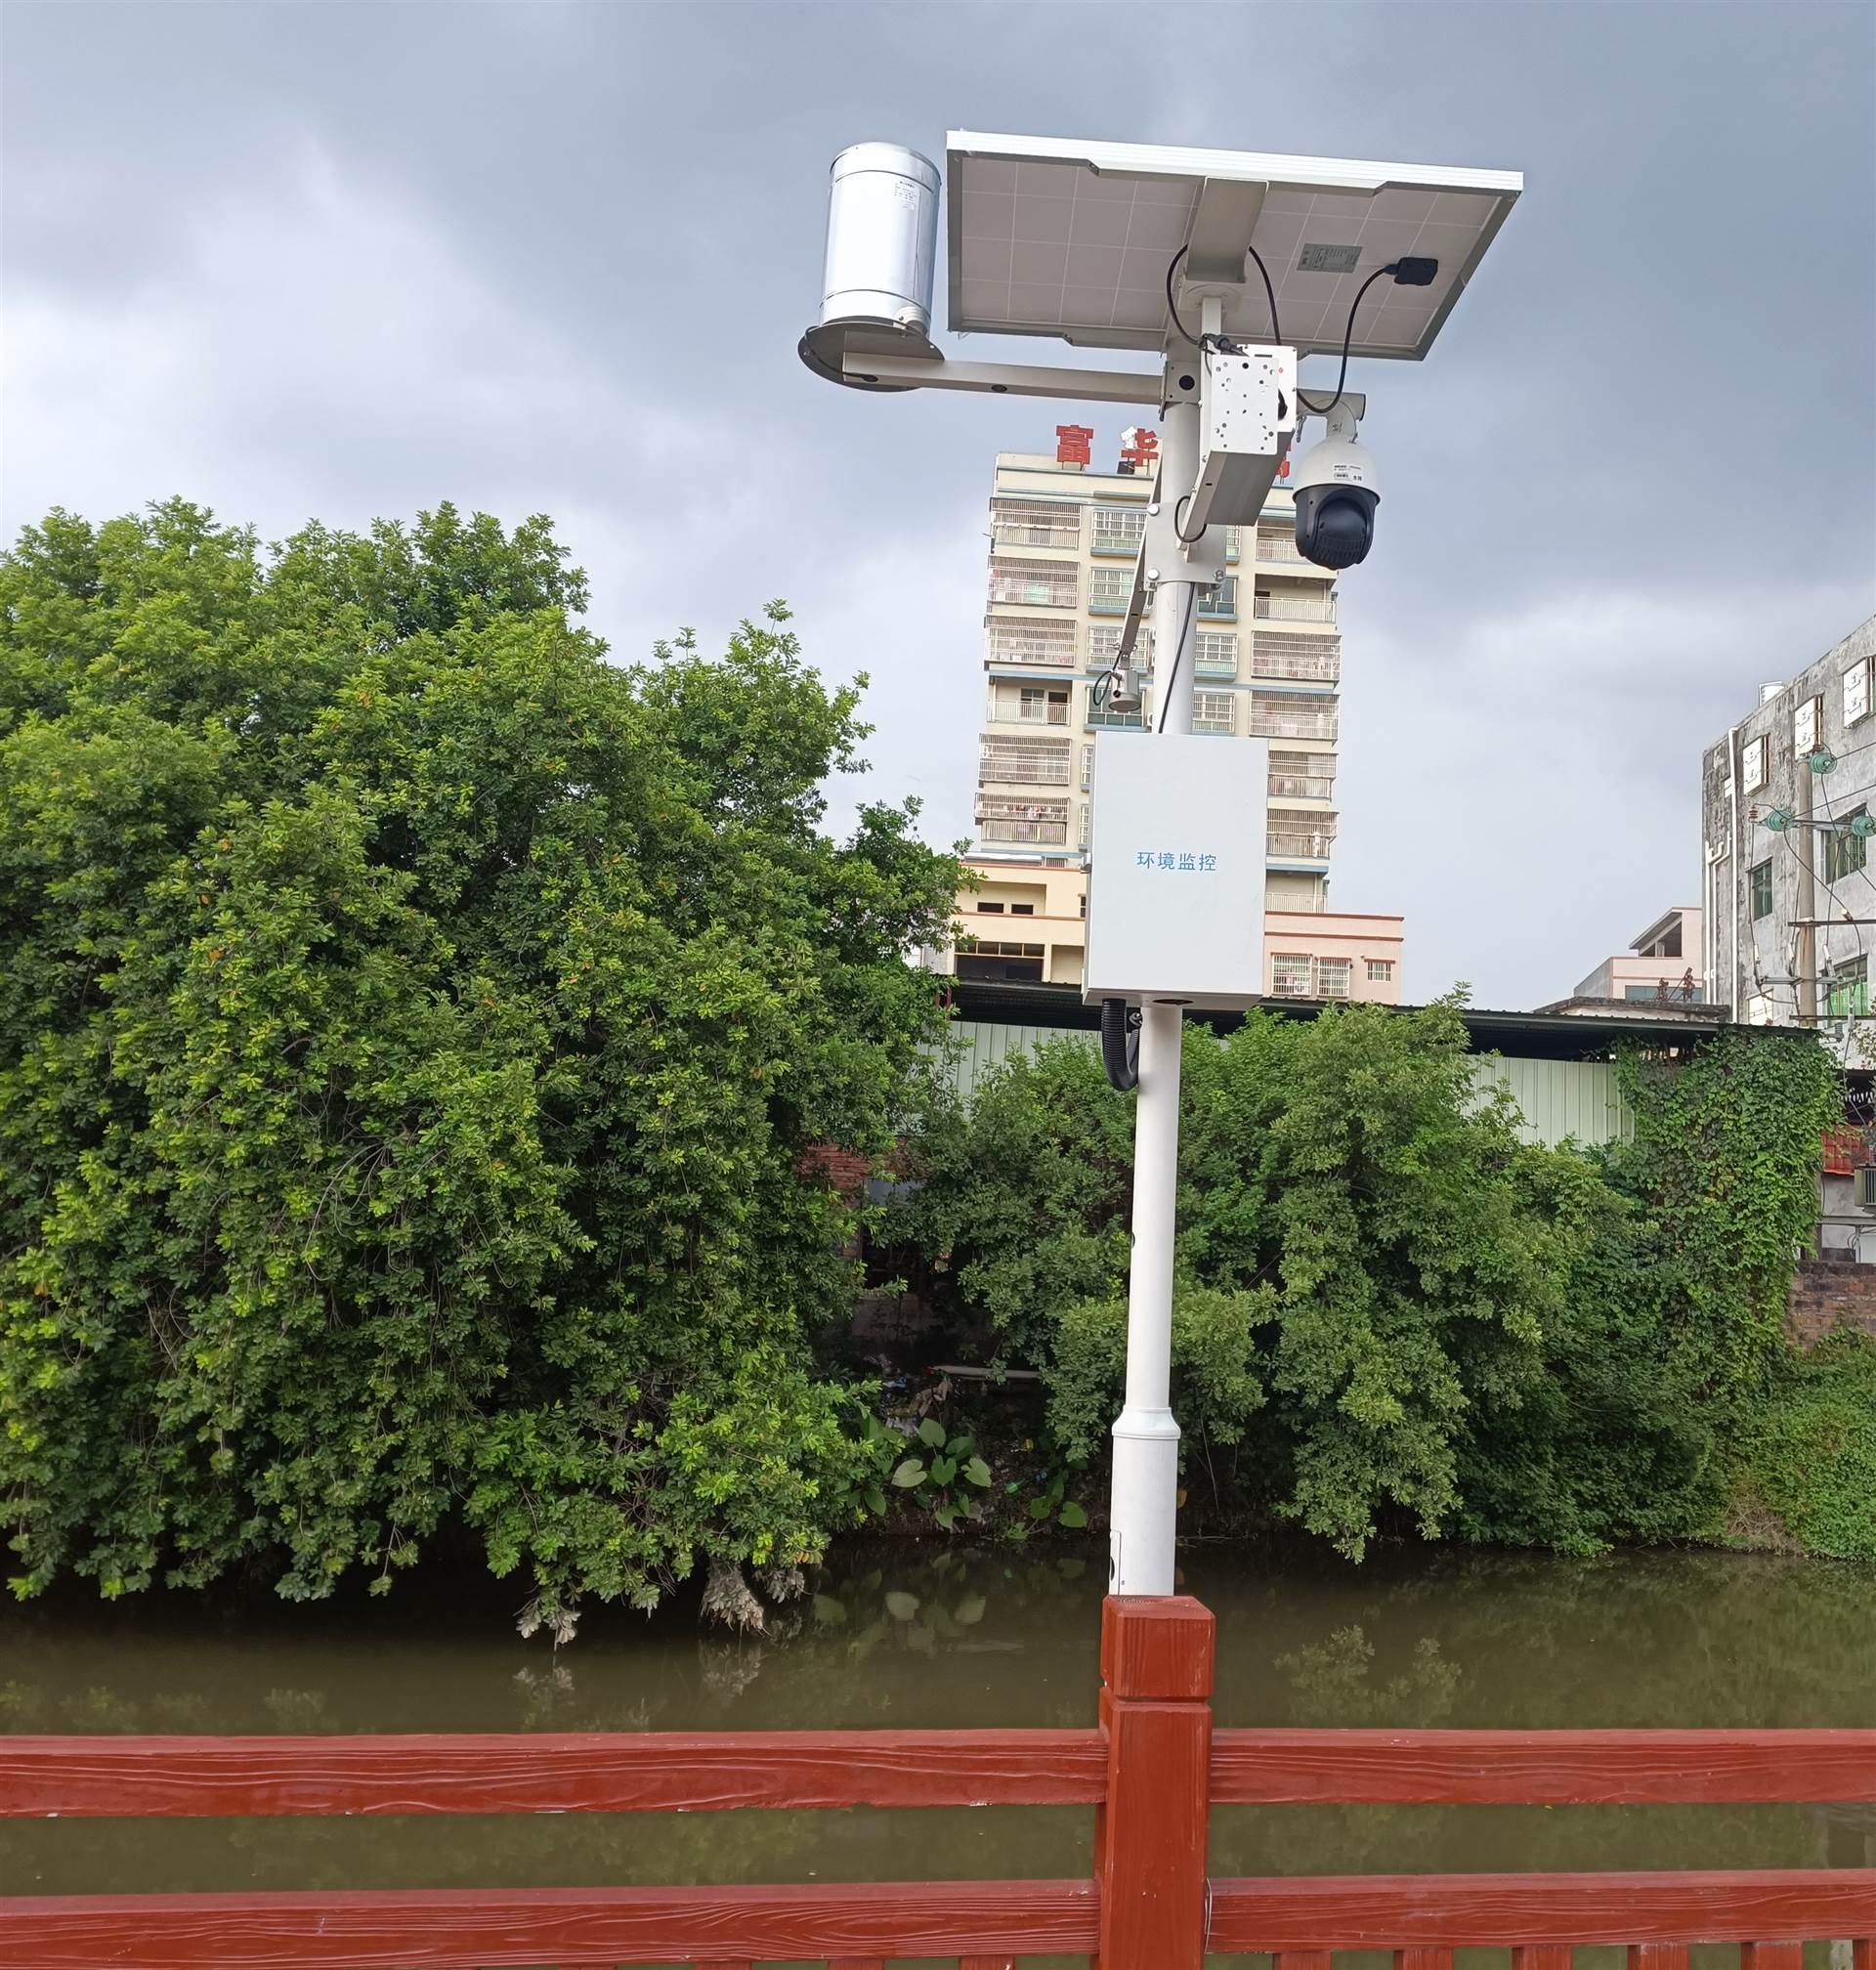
1074, 241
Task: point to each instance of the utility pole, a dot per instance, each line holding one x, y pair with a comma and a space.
1143, 1507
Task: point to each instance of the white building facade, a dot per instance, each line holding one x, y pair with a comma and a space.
1788, 805
1063, 541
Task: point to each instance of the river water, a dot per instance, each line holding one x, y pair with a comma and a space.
913, 1637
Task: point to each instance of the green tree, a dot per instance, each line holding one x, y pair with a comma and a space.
411, 1025
1363, 1261
1388, 1310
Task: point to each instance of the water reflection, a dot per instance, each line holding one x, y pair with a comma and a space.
918, 1638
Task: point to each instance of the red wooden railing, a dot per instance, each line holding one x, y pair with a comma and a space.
1152, 1769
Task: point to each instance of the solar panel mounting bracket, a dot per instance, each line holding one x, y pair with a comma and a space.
1005, 379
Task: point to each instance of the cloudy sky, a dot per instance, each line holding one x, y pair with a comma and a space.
349, 259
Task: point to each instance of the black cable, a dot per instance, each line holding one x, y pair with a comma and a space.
1269, 294
1178, 651
1173, 267
1347, 338
1120, 1043
1184, 538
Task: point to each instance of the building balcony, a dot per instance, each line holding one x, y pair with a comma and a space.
1301, 844
1110, 605
1050, 527
1039, 646
1013, 765
1276, 547
1295, 608
1274, 721
1035, 584
1039, 831
1098, 720
1030, 833
1299, 658
1302, 786
1064, 538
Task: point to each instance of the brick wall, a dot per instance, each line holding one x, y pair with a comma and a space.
1828, 1293
844, 1170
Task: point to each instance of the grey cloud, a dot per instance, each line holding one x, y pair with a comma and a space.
346, 259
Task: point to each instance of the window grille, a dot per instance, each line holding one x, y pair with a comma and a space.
1104, 645
1217, 654
1049, 584
1118, 529
1314, 659
1033, 523
1843, 852
1302, 776
1002, 760
1052, 644
1277, 715
1214, 712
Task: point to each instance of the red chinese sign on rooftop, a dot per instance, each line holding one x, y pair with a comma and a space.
1139, 446
1073, 444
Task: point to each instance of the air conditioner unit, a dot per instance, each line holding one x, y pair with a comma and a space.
1866, 1187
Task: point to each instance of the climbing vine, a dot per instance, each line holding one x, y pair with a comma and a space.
1722, 1169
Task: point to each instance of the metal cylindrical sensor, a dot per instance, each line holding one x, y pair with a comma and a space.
882, 238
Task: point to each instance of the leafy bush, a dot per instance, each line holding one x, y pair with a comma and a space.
1669, 1340
941, 1471
1389, 1311
1360, 1263
1811, 1453
411, 1025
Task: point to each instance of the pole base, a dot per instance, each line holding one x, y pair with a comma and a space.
1145, 1506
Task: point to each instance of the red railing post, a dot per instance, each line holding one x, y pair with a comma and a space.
1150, 1834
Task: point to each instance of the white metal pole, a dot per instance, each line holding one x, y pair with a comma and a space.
1144, 1506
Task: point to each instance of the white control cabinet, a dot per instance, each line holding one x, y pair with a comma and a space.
1175, 869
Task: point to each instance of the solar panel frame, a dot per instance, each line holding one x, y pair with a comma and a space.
1088, 224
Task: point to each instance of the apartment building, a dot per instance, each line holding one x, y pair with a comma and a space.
1064, 538
1788, 807
1063, 541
